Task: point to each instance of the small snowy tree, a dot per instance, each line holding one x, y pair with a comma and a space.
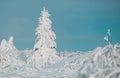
45, 36
4, 45
10, 42
107, 37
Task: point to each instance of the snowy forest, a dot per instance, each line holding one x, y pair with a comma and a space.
43, 61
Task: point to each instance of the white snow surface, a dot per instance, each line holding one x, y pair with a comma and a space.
102, 62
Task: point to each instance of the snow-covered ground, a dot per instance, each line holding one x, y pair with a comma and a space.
102, 62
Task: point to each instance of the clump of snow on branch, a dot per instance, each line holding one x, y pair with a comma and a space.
107, 37
45, 45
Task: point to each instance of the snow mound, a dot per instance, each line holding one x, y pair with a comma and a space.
99, 63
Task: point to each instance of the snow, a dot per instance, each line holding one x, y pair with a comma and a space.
43, 61
107, 37
102, 62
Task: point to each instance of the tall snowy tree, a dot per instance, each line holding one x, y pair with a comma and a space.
45, 36
45, 45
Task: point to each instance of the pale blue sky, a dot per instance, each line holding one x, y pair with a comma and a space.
78, 24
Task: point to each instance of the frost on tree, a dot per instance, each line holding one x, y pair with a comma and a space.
6, 45
8, 54
45, 36
107, 37
45, 45
10, 43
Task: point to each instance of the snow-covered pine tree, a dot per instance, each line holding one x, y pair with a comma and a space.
45, 36
44, 51
8, 55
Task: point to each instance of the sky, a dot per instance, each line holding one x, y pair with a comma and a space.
80, 25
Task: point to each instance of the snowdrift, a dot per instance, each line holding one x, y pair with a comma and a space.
102, 62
